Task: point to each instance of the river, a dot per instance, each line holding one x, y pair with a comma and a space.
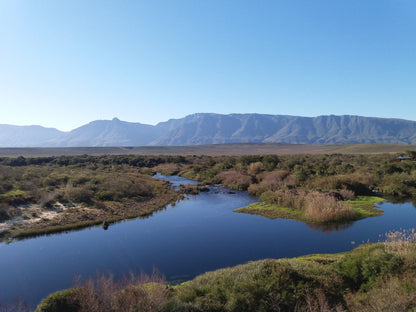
199, 234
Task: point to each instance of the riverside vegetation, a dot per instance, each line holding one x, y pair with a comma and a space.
373, 277
119, 186
51, 194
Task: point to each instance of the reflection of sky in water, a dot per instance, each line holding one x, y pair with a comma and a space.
175, 180
194, 236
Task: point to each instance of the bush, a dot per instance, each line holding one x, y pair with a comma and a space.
266, 285
234, 180
78, 194
60, 301
363, 266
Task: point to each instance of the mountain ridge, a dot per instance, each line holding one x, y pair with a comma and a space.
211, 128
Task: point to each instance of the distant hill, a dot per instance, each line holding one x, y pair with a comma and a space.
107, 133
26, 136
255, 128
204, 128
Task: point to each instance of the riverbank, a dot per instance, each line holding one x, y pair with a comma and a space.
363, 206
373, 275
43, 198
36, 221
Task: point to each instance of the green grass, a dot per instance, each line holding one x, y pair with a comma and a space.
350, 281
14, 193
273, 212
363, 205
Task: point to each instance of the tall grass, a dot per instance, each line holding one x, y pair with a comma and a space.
322, 207
318, 206
147, 293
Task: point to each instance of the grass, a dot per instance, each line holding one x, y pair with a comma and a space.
362, 205
365, 206
372, 277
212, 149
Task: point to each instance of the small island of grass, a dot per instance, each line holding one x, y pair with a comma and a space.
330, 211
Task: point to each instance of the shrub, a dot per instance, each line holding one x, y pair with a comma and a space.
61, 301
363, 266
234, 180
78, 194
391, 294
147, 293
255, 168
266, 285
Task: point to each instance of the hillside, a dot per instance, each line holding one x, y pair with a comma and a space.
201, 129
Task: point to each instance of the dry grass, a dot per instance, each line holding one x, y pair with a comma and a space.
317, 301
322, 207
403, 244
234, 179
141, 292
318, 206
390, 295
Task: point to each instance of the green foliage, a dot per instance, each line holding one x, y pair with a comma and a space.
60, 301
372, 277
361, 268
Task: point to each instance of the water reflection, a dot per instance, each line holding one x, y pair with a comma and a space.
197, 235
401, 200
329, 227
175, 181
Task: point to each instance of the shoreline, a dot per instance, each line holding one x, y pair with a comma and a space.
68, 219
364, 206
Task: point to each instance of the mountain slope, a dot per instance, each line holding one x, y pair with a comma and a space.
107, 133
242, 128
19, 136
198, 129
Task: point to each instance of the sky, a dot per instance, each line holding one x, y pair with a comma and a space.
68, 62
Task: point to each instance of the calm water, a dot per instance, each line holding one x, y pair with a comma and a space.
196, 235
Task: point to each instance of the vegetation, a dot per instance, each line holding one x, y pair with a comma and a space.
317, 208
51, 194
210, 149
48, 194
312, 188
373, 277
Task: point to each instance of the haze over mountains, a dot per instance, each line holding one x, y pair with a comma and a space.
207, 128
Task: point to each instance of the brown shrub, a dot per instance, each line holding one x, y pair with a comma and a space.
347, 194
318, 207
322, 207
272, 181
234, 179
255, 168
135, 293
357, 182
276, 179
393, 294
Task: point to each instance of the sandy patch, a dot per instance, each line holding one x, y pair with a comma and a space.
32, 214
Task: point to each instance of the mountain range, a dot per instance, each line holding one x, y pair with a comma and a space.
209, 128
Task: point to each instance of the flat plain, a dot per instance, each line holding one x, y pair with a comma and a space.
212, 149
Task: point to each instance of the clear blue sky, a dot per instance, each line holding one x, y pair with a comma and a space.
65, 63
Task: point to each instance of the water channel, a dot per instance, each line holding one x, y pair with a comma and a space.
199, 234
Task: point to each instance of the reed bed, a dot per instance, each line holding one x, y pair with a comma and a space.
317, 206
